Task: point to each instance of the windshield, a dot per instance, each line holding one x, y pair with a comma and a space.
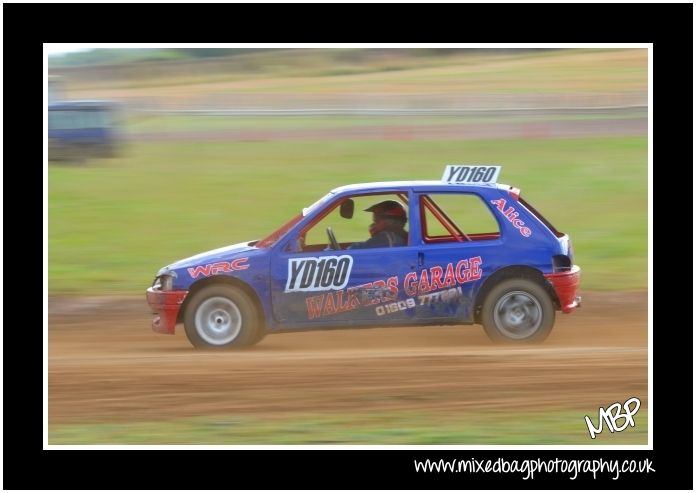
319, 202
271, 239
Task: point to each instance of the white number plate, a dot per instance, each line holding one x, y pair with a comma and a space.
470, 174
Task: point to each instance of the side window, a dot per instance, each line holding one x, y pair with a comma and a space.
359, 228
77, 119
455, 217
101, 119
64, 120
59, 120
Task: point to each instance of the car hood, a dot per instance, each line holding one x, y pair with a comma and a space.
224, 253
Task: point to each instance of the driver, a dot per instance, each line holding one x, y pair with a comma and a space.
387, 228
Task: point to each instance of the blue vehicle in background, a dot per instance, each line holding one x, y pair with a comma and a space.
79, 130
476, 253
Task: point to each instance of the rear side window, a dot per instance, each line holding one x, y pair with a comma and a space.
456, 217
77, 119
541, 218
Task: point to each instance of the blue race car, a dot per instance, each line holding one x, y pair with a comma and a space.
79, 130
462, 250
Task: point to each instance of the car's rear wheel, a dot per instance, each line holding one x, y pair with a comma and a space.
517, 311
222, 316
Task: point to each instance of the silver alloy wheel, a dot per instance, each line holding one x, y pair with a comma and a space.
218, 321
517, 315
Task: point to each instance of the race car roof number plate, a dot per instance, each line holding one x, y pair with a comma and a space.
470, 174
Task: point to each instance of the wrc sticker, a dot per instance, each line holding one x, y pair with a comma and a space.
218, 267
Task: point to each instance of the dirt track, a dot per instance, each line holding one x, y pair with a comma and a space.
106, 365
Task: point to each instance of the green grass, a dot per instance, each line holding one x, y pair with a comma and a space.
188, 122
112, 225
553, 427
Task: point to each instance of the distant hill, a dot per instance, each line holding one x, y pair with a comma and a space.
139, 55
135, 55
166, 67
374, 77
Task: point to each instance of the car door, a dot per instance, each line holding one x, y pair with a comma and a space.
339, 287
457, 239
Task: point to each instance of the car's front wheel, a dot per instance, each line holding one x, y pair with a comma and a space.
222, 316
518, 310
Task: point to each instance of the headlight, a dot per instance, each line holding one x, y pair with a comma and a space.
166, 283
164, 280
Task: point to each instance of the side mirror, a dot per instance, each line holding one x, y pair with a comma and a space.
347, 208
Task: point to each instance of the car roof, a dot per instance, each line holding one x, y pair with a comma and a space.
415, 184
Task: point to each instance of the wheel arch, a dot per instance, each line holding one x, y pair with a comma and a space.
512, 272
224, 280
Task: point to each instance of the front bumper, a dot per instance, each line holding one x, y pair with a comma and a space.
566, 284
165, 305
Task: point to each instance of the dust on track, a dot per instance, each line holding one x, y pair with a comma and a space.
105, 365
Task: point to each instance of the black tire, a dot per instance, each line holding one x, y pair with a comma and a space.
260, 334
222, 317
518, 311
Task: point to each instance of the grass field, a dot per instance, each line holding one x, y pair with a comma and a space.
187, 122
114, 224
552, 427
